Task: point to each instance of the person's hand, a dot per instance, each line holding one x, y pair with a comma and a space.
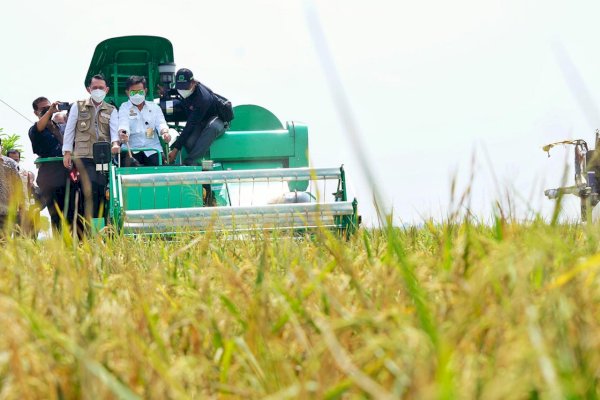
173, 155
49, 113
123, 136
115, 148
53, 108
165, 135
67, 159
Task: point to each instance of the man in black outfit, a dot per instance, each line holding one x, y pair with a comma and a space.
46, 141
203, 125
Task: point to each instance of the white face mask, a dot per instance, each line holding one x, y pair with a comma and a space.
185, 93
98, 95
137, 99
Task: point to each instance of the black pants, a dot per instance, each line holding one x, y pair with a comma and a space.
52, 180
199, 141
92, 184
55, 201
142, 159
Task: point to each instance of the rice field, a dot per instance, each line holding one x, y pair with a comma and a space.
452, 310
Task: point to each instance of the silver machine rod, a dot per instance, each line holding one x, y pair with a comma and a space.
276, 216
210, 177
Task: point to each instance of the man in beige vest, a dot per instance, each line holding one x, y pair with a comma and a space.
90, 121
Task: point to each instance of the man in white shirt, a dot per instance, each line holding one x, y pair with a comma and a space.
140, 122
90, 121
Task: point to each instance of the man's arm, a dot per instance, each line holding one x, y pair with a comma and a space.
114, 131
123, 117
201, 106
160, 124
124, 122
43, 122
193, 120
69, 137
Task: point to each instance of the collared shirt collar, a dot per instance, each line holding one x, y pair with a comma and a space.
90, 102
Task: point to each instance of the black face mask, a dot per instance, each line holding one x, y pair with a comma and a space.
44, 111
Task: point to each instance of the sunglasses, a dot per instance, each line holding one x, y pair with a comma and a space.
134, 92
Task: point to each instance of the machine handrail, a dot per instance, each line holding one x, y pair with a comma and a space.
44, 160
211, 177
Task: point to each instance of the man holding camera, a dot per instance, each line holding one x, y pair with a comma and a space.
90, 121
46, 141
139, 124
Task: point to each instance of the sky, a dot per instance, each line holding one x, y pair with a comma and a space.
438, 92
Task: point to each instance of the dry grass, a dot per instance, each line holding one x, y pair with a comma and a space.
444, 311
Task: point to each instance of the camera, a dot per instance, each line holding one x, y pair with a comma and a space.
64, 106
172, 107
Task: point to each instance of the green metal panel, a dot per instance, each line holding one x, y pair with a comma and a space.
299, 133
250, 117
119, 58
162, 197
175, 196
299, 159
256, 145
257, 137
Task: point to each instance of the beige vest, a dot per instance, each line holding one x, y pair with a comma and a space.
85, 132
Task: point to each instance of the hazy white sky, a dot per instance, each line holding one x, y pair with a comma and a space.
431, 83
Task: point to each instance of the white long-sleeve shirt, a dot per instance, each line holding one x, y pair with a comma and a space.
142, 126
69, 137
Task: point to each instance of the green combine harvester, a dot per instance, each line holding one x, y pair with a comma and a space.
256, 176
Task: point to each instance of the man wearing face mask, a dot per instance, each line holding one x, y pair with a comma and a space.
46, 141
90, 121
203, 125
139, 122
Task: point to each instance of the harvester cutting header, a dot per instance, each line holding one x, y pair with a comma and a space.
256, 175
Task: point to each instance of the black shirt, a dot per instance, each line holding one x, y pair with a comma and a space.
44, 143
51, 175
201, 107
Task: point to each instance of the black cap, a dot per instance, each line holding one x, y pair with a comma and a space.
183, 79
